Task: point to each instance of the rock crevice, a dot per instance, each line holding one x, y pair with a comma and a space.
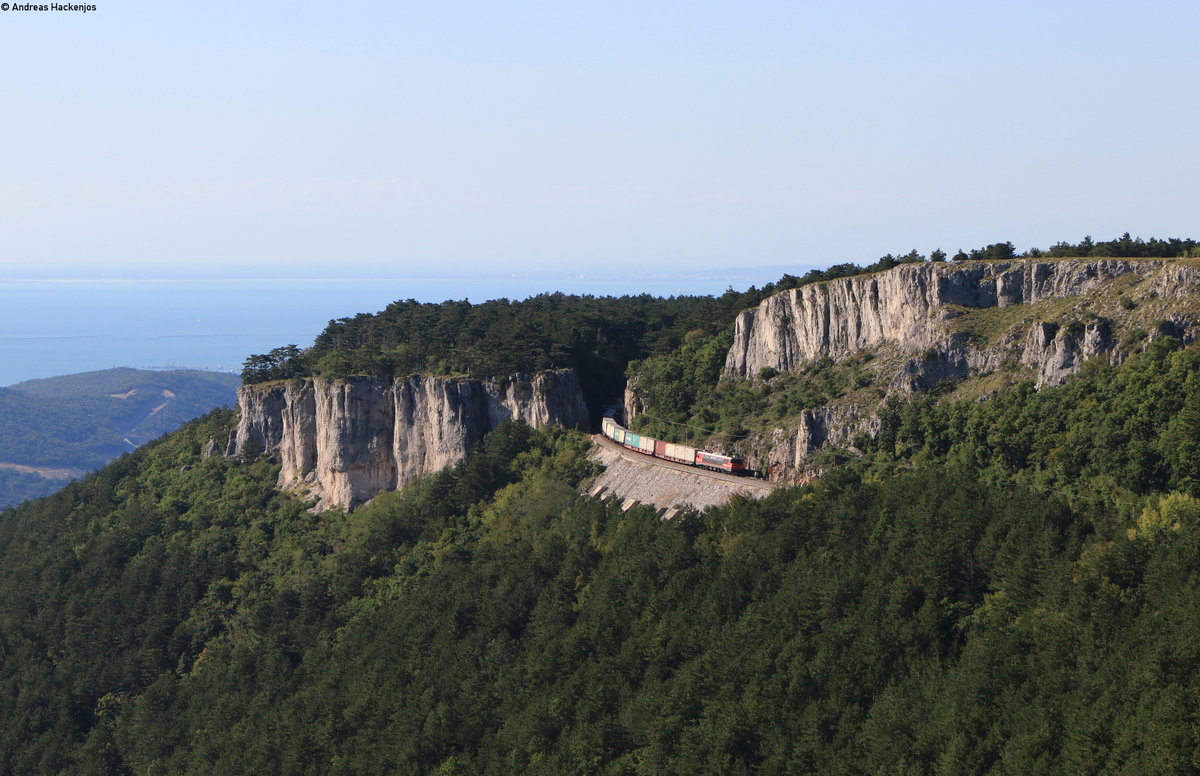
910, 304
343, 440
911, 310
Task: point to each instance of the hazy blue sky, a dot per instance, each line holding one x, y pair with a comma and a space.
326, 136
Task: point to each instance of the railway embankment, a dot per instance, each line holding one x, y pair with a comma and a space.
635, 479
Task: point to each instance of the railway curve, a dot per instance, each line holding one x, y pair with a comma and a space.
636, 478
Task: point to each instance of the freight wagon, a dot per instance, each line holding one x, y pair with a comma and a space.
670, 451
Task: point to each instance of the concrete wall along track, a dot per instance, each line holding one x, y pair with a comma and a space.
640, 479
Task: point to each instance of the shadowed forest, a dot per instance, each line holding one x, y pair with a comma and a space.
998, 587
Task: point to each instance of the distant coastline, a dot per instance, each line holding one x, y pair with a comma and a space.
63, 324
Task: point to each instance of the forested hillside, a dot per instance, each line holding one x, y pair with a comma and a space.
998, 587
596, 336
813, 367
55, 428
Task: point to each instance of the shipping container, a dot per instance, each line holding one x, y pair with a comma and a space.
680, 453
670, 451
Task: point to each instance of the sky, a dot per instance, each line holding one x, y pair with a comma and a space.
359, 138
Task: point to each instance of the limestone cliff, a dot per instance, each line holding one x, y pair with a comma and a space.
344, 440
939, 322
913, 305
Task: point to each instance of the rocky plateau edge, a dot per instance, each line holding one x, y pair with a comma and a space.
341, 441
910, 311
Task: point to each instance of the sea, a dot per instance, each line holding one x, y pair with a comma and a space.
68, 323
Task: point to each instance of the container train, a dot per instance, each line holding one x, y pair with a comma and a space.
671, 452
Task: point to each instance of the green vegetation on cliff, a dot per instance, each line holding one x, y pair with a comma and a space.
679, 395
596, 335
1006, 587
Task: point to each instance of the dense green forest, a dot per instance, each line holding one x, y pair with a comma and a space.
81, 421
683, 396
598, 336
17, 486
1005, 587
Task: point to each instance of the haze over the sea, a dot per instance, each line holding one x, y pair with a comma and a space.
68, 322
336, 157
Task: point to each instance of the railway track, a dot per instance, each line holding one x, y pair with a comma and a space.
749, 483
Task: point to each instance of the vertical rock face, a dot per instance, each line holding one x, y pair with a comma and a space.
1057, 352
783, 451
344, 440
298, 438
908, 305
910, 309
353, 457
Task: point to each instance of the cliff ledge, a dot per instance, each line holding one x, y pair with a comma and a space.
343, 440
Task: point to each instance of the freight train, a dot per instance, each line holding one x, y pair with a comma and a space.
671, 452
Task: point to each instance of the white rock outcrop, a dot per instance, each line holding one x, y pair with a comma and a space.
908, 306
344, 440
909, 309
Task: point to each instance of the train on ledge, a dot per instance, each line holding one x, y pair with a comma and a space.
669, 451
